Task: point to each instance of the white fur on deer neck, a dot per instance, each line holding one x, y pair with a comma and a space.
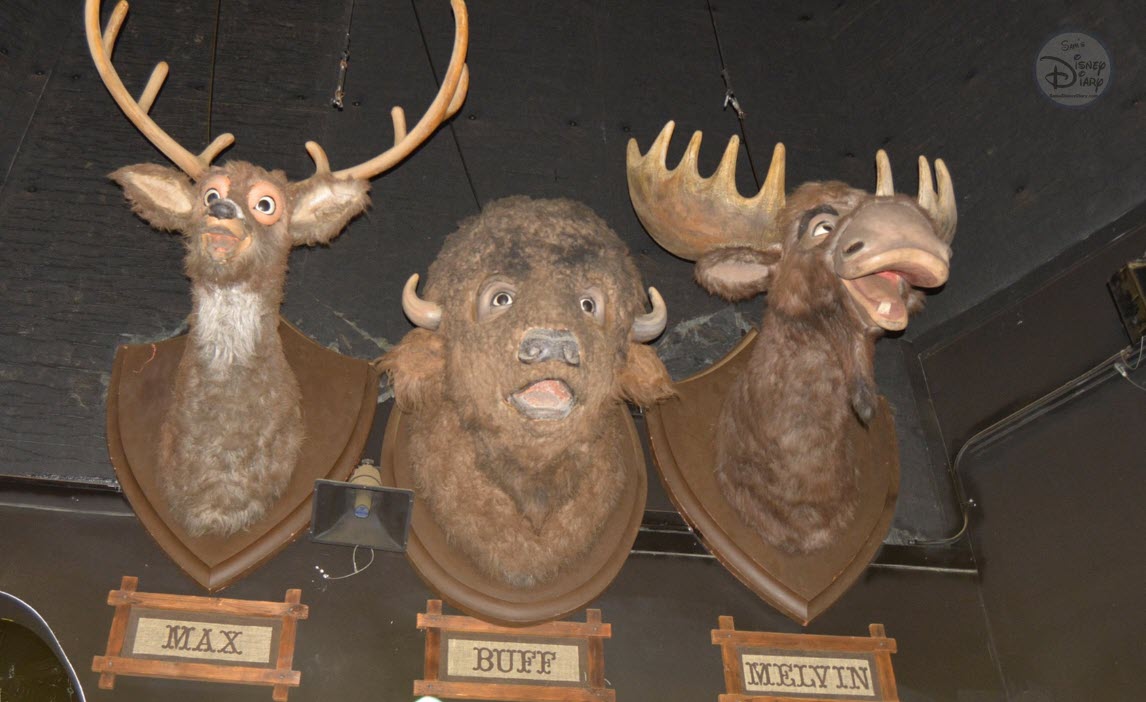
229, 325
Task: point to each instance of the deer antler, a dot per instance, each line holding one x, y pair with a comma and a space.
688, 214
447, 102
101, 46
940, 206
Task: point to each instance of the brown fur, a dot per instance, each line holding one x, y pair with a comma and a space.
524, 497
233, 433
781, 460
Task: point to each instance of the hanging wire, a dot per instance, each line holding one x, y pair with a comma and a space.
354, 561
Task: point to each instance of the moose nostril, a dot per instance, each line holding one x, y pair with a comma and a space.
853, 248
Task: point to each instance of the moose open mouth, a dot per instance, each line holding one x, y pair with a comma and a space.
544, 399
881, 293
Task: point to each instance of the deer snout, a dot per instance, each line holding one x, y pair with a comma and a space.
540, 345
224, 208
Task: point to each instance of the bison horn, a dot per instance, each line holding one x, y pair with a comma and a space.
424, 313
649, 326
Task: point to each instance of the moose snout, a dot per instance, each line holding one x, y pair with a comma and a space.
224, 208
549, 345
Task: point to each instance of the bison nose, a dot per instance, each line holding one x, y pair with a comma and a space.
223, 209
549, 345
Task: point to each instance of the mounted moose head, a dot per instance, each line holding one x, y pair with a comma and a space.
841, 266
232, 436
532, 332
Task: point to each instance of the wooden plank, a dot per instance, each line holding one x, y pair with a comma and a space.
477, 626
118, 631
804, 642
213, 605
510, 693
730, 661
595, 656
204, 672
287, 640
433, 643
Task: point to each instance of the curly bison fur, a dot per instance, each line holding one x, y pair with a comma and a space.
523, 491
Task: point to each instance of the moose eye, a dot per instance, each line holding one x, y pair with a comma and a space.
210, 196
821, 229
501, 299
266, 205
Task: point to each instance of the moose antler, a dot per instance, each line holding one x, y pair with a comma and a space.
688, 214
447, 102
101, 46
939, 206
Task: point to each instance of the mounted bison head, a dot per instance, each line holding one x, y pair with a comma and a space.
532, 330
841, 266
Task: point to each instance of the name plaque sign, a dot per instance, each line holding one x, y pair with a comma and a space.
471, 659
201, 638
805, 667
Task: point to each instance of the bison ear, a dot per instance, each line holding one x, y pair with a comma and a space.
737, 272
644, 381
163, 197
322, 205
415, 367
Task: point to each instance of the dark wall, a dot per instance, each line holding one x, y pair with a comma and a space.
557, 91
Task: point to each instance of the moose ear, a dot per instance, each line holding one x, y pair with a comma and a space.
415, 367
322, 205
162, 196
737, 272
644, 380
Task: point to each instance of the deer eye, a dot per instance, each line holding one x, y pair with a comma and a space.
501, 299
266, 205
210, 196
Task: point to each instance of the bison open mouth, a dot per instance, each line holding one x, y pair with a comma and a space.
544, 399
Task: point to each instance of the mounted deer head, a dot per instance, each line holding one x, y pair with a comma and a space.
233, 432
841, 266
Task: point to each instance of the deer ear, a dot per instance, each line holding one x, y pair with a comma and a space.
322, 205
737, 272
162, 196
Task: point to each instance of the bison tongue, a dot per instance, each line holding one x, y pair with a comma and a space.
545, 399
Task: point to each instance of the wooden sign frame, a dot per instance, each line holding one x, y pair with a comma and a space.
876, 649
589, 637
281, 617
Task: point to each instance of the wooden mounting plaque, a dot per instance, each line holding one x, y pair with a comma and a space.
470, 659
768, 667
339, 395
201, 638
681, 436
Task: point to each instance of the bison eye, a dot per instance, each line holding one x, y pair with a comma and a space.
588, 305
501, 299
210, 196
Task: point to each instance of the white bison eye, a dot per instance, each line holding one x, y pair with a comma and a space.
592, 303
494, 298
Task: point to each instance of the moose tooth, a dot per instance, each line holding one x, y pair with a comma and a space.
884, 307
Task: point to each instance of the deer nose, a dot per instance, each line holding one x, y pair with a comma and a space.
540, 345
224, 208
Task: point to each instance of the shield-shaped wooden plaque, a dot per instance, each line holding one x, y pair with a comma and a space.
452, 574
339, 395
681, 433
